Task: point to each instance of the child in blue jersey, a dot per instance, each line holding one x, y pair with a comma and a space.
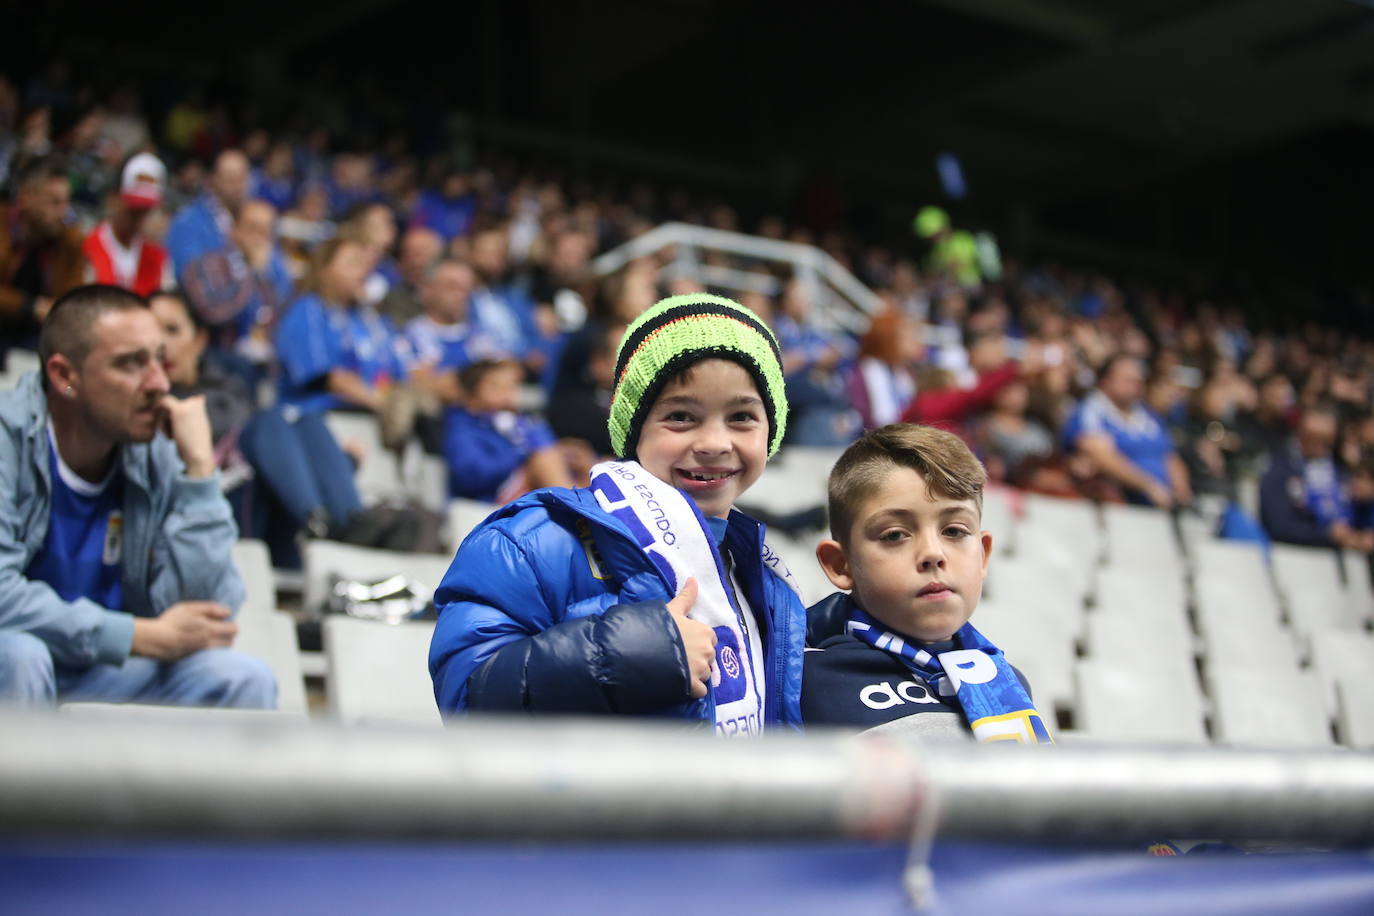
645, 593
495, 453
334, 353
898, 651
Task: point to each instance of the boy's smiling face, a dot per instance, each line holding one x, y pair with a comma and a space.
707, 435
915, 561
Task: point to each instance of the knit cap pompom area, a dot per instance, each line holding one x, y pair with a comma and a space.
680, 331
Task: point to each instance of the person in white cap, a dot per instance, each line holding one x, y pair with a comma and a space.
117, 252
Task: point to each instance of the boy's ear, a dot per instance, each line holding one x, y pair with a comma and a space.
830, 554
986, 538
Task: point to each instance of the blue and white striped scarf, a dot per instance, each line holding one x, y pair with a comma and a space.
976, 675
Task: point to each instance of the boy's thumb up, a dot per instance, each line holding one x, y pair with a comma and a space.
686, 597
698, 640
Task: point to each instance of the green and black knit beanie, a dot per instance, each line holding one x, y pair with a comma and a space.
680, 331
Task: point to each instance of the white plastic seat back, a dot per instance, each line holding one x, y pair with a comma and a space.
1132, 702
272, 638
1138, 537
1341, 654
255, 566
378, 672
1266, 706
1045, 656
463, 516
1143, 589
1162, 641
325, 558
1355, 712
378, 476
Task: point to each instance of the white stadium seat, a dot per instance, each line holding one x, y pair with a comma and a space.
1033, 644
1138, 537
1339, 654
1231, 561
1355, 712
255, 566
378, 672
271, 637
1143, 588
1266, 706
1161, 639
379, 475
325, 558
1125, 700
463, 515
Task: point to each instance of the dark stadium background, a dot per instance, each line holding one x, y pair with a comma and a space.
1218, 144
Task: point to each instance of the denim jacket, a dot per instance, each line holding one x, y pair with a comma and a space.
178, 534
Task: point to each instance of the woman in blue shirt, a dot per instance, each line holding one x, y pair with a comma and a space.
334, 353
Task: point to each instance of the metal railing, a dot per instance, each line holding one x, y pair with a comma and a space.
223, 775
841, 300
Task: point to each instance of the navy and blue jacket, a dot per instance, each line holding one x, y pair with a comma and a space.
551, 606
1286, 504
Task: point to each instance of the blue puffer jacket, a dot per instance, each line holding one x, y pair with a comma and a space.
551, 606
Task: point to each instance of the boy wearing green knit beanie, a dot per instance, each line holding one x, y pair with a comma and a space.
646, 593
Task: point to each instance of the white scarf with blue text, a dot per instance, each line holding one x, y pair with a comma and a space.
670, 528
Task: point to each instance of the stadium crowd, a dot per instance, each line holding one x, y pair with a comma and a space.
293, 277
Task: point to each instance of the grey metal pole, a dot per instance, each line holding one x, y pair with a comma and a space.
566, 779
481, 779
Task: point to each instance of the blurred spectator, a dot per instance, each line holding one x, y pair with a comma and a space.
188, 183
812, 360
1303, 495
580, 402
375, 225
40, 255
117, 252
1124, 439
192, 370
9, 127
447, 210
559, 286
953, 252
420, 251
275, 180
350, 185
298, 477
185, 120
1014, 446
882, 383
32, 142
239, 291
442, 340
204, 224
942, 402
333, 353
304, 227
499, 309
495, 453
125, 127
1213, 449
92, 162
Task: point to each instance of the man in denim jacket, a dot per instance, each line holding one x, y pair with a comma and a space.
116, 580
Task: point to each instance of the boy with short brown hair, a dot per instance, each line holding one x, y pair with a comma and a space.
905, 513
